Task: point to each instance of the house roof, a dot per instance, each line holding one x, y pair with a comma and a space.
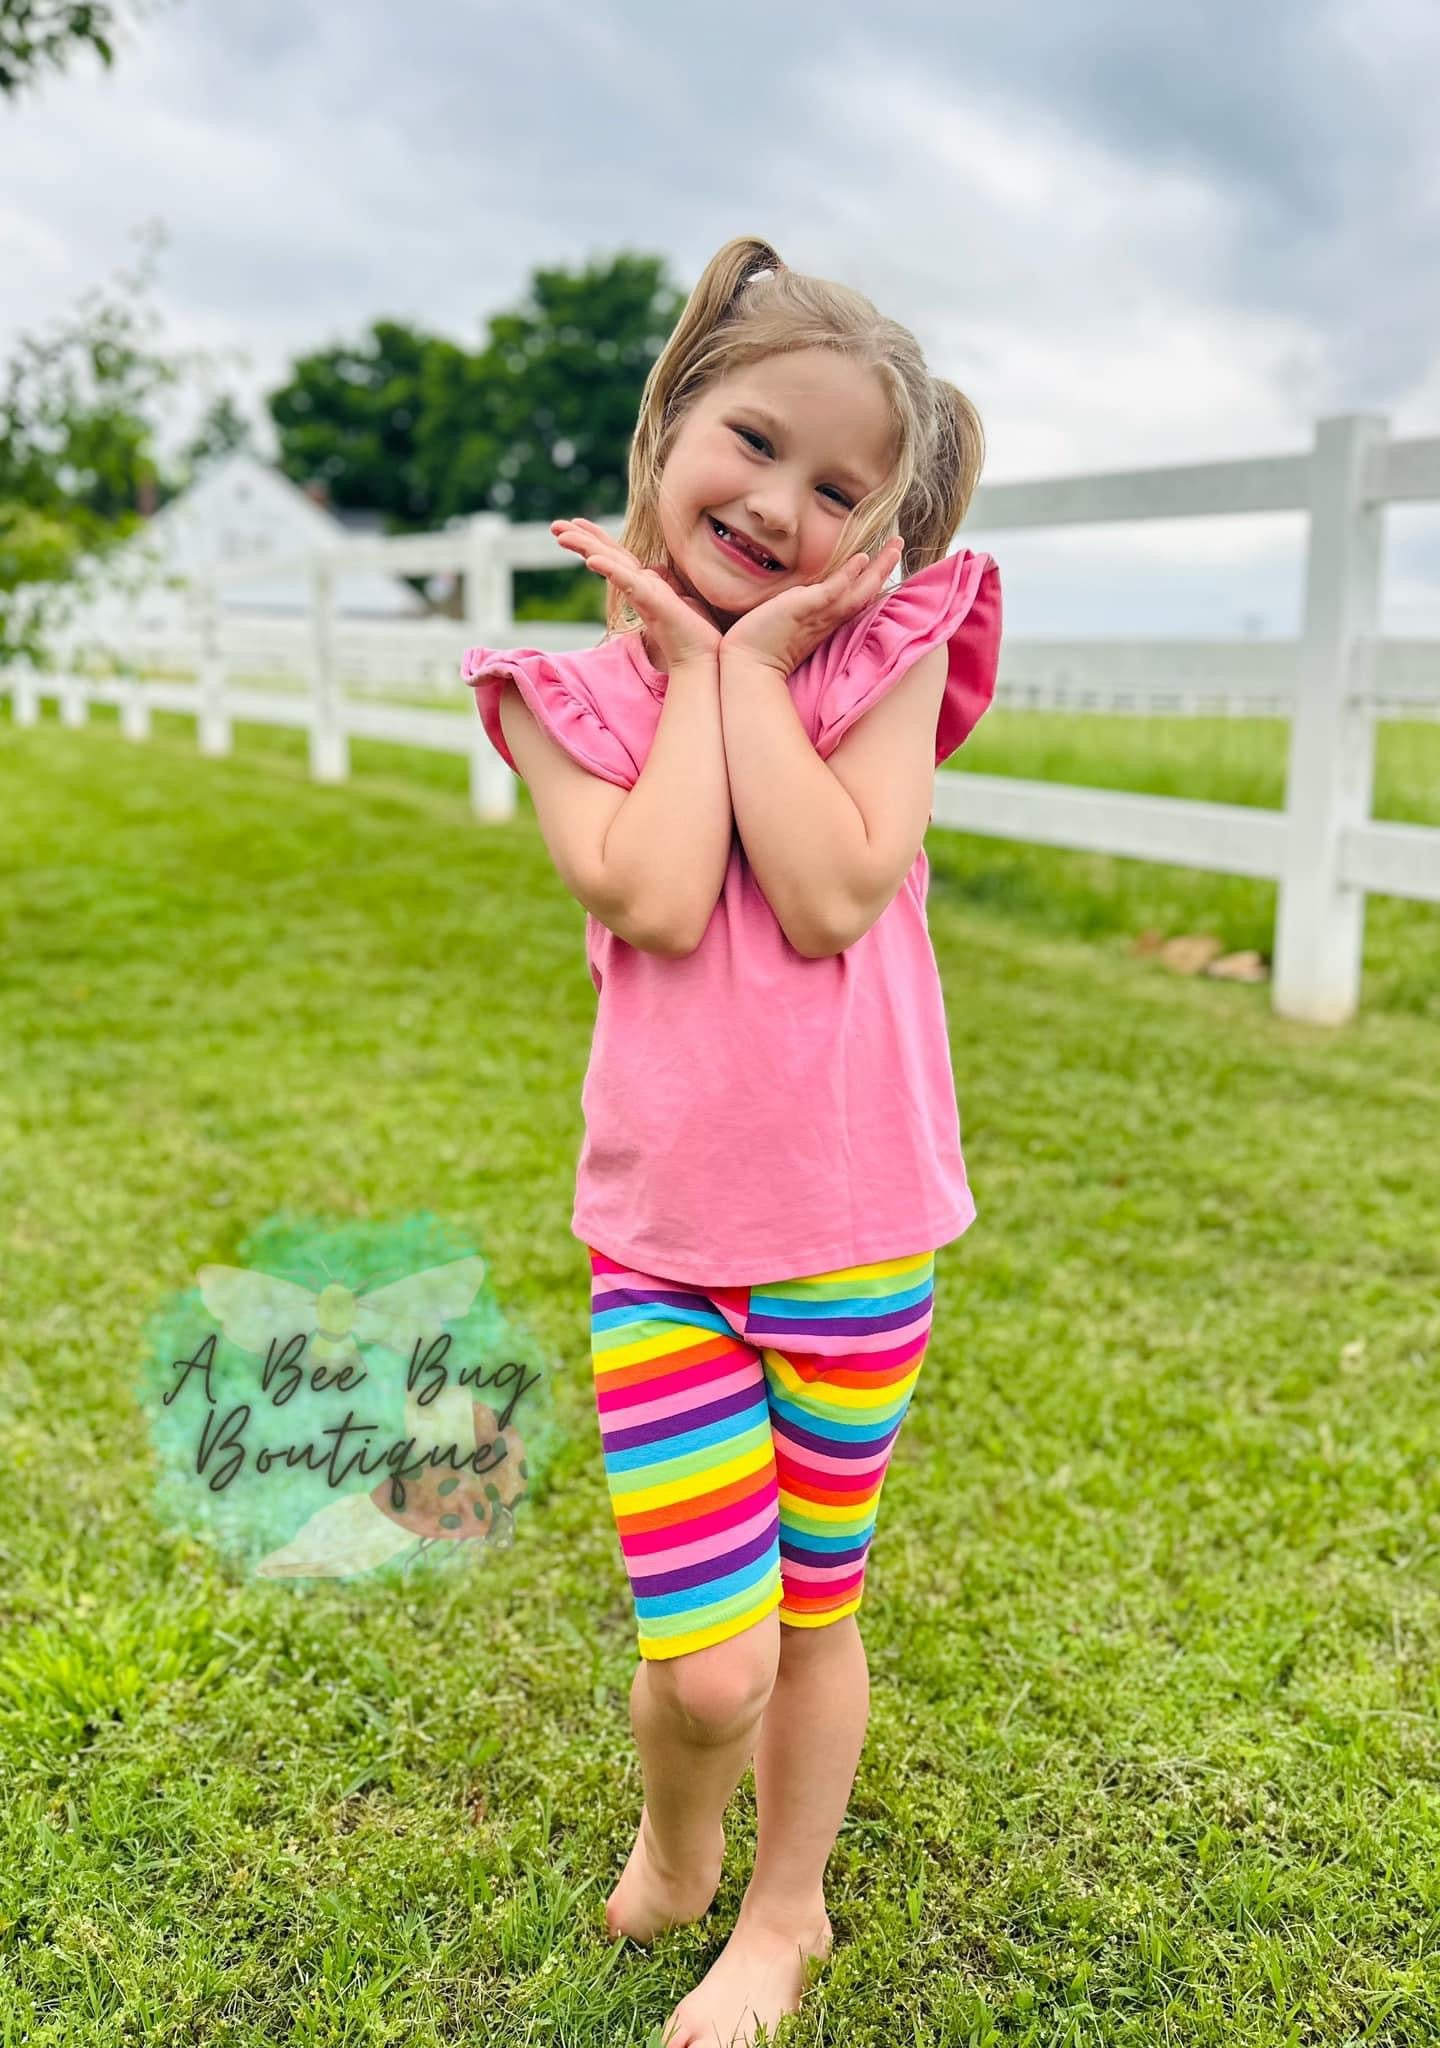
242, 506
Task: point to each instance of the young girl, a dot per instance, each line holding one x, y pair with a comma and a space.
736, 784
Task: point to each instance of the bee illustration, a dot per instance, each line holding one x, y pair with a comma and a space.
254, 1309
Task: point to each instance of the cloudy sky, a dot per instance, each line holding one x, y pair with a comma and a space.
1133, 234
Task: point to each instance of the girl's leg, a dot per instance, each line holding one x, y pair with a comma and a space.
842, 1352
690, 1467
695, 1719
807, 1752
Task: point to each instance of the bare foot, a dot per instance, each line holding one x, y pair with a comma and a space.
650, 1897
762, 1973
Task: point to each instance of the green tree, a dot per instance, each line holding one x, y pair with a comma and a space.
223, 428
43, 35
534, 423
76, 450
539, 422
348, 418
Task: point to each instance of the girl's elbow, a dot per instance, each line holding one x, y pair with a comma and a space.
677, 942
844, 923
671, 932
686, 933
692, 921
817, 937
826, 946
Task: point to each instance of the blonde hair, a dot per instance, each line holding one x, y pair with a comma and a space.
748, 305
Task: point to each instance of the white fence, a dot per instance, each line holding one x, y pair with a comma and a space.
1323, 850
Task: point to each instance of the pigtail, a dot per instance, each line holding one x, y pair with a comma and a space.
945, 480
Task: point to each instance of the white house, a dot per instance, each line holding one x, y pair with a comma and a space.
237, 507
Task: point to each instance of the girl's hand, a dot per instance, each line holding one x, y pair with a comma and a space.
678, 626
782, 630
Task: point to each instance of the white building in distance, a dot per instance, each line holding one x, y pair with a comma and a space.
237, 507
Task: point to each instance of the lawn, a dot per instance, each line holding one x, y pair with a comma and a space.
1151, 1610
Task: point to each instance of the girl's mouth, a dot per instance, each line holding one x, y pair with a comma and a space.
735, 553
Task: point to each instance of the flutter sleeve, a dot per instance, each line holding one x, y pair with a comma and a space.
557, 698
955, 601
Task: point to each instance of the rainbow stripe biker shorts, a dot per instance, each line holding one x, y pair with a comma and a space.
746, 1433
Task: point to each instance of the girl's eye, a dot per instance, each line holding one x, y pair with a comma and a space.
761, 442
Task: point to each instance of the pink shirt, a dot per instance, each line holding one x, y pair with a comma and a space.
752, 1115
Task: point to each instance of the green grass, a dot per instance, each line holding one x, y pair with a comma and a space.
1151, 1610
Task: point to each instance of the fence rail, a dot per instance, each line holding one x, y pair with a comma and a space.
1332, 683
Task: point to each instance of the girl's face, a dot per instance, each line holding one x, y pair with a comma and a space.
780, 453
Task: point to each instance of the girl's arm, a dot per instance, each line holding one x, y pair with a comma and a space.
830, 842
669, 844
648, 862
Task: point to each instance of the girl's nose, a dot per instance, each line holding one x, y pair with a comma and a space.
772, 525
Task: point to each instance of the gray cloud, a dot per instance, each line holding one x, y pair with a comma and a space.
1133, 234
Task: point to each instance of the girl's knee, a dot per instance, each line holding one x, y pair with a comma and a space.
722, 1688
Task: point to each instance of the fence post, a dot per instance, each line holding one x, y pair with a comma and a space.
134, 707
25, 695
329, 742
74, 698
489, 602
1319, 919
212, 724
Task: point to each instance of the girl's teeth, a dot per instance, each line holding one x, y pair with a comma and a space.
765, 561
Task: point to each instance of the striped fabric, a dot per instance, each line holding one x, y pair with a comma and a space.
746, 1433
